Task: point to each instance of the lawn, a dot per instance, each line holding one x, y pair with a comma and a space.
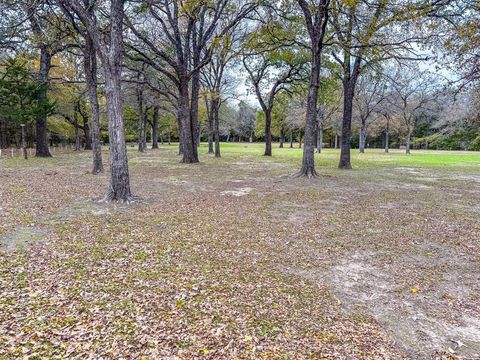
233, 258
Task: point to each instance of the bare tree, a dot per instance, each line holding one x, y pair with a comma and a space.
110, 49
269, 77
367, 100
413, 93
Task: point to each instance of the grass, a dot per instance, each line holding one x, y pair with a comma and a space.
372, 158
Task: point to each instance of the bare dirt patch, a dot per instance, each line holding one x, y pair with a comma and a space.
23, 236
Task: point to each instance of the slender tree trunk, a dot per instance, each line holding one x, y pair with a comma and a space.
268, 132
180, 133
156, 110
300, 140
141, 121
319, 136
41, 122
362, 137
291, 139
348, 86
90, 68
77, 133
144, 129
87, 134
210, 125
282, 138
407, 144
387, 130
216, 126
336, 142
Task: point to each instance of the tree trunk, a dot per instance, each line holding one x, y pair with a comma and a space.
300, 141
119, 178
41, 122
308, 161
348, 88
188, 137
291, 139
90, 68
195, 126
156, 110
319, 136
387, 130
141, 121
362, 136
216, 126
407, 144
282, 138
87, 134
268, 132
210, 125
77, 133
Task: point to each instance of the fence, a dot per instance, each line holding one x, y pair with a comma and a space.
18, 152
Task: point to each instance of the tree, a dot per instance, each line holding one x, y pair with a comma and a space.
413, 93
217, 85
48, 35
177, 39
21, 94
368, 100
369, 33
270, 74
315, 16
109, 47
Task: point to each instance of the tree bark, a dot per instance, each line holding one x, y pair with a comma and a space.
210, 125
387, 131
90, 68
319, 136
156, 110
316, 23
282, 138
216, 126
308, 161
348, 88
88, 137
119, 179
77, 133
268, 132
194, 108
41, 122
141, 122
362, 136
407, 144
188, 137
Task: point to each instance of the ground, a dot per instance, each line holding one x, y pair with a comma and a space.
234, 258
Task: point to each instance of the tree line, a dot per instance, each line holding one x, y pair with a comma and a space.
166, 67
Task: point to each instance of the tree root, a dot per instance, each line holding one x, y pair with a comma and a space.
309, 173
122, 199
